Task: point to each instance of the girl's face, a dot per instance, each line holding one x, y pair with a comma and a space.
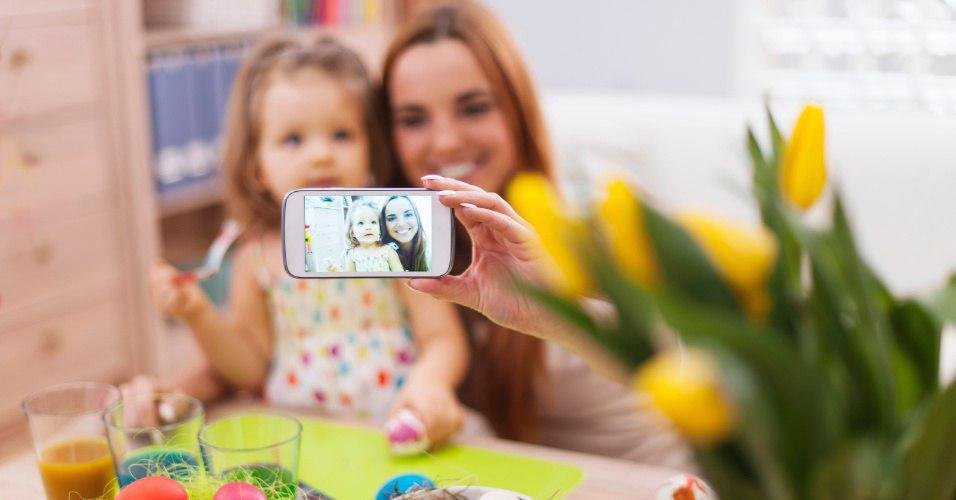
400, 220
365, 226
447, 118
311, 135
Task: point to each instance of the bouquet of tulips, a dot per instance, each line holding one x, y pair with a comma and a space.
801, 375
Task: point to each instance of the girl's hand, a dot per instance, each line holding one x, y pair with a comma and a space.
436, 405
138, 410
330, 264
503, 249
171, 296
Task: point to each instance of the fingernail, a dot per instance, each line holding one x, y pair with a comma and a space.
431, 177
446, 192
468, 205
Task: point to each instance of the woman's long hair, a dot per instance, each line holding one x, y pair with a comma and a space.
416, 257
508, 365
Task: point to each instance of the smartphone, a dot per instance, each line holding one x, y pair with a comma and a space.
366, 233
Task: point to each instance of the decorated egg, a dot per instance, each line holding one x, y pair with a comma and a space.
406, 433
238, 490
402, 484
153, 488
684, 487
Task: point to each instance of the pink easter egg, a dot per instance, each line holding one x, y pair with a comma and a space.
153, 488
406, 433
684, 486
239, 490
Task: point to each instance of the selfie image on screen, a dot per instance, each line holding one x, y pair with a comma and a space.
367, 233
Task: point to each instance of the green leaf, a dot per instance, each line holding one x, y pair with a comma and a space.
930, 463
943, 302
636, 313
763, 178
795, 393
726, 470
917, 333
616, 344
838, 331
857, 469
684, 265
873, 331
776, 140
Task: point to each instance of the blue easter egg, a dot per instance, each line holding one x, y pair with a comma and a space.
400, 484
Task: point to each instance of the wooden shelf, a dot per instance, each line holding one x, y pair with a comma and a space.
191, 196
173, 38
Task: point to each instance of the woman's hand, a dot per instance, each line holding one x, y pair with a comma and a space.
504, 251
170, 295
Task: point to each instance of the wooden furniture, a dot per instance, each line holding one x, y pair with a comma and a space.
604, 478
80, 219
71, 295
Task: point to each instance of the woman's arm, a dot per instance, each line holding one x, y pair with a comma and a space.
439, 368
240, 348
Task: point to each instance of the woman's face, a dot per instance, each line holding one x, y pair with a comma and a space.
447, 117
400, 220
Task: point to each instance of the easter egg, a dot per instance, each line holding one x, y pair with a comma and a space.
238, 490
402, 484
153, 488
406, 433
684, 486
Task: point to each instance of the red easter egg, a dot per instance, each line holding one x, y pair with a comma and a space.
239, 490
153, 488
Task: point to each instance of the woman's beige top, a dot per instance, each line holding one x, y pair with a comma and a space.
583, 411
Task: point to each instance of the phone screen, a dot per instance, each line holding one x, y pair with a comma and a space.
367, 233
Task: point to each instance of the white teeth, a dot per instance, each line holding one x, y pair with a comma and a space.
455, 171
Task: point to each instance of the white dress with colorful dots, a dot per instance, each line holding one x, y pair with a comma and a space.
343, 346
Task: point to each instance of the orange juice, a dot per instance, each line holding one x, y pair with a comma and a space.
77, 468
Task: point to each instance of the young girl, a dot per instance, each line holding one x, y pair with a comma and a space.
367, 252
301, 116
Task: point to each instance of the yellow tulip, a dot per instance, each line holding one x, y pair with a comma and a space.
535, 199
803, 172
623, 224
743, 256
685, 388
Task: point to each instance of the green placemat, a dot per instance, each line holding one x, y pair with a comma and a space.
350, 462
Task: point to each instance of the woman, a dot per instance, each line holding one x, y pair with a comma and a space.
460, 103
402, 225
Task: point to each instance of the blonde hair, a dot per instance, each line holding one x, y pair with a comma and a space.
497, 53
503, 386
353, 241
248, 199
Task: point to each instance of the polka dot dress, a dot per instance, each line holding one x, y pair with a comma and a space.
343, 346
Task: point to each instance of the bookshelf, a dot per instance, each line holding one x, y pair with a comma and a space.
178, 220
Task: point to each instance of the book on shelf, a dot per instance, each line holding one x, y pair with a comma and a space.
189, 91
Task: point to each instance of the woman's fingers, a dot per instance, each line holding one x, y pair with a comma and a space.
491, 201
439, 183
450, 288
504, 226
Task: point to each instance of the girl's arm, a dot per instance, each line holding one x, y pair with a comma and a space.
394, 262
240, 349
443, 358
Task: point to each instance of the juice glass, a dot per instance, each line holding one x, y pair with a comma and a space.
66, 423
155, 435
258, 448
